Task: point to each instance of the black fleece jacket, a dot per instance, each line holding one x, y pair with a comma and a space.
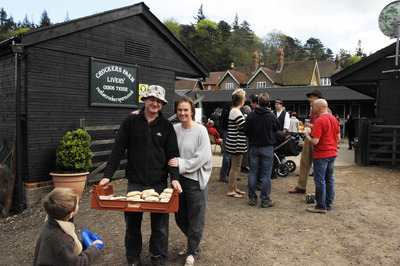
149, 148
261, 125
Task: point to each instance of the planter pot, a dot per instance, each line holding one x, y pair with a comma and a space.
76, 181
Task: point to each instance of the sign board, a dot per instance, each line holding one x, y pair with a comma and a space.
113, 84
142, 90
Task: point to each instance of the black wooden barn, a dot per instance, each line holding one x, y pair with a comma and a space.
376, 76
47, 77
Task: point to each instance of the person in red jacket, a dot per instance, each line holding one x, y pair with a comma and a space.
213, 131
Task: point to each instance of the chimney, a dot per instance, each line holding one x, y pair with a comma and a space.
337, 61
281, 56
256, 62
232, 65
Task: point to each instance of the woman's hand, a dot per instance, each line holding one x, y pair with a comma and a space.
135, 112
174, 162
176, 185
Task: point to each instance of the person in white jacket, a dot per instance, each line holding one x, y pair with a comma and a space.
195, 166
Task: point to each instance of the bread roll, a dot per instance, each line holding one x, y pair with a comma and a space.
168, 190
164, 200
133, 193
152, 199
148, 193
165, 195
136, 197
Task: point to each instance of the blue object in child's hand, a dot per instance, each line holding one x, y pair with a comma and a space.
88, 238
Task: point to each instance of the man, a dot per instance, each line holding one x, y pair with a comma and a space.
150, 141
213, 131
282, 115
260, 127
253, 101
216, 117
324, 138
306, 154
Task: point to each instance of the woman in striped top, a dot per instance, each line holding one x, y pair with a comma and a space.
236, 142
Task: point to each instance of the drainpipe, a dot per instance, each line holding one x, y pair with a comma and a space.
18, 50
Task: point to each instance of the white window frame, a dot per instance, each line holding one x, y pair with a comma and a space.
229, 86
261, 84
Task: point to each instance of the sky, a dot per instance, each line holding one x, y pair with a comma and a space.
338, 24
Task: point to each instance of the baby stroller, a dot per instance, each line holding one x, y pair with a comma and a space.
287, 144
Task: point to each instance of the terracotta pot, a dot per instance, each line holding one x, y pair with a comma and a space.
76, 181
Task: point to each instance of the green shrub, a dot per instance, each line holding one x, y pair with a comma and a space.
73, 154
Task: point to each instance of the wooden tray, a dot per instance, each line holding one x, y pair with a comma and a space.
131, 206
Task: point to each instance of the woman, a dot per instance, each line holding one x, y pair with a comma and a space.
236, 144
195, 165
350, 131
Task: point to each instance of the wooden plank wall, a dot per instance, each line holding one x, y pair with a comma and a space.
7, 104
58, 84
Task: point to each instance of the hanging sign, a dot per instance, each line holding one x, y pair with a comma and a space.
113, 84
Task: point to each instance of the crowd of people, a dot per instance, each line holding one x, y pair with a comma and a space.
158, 151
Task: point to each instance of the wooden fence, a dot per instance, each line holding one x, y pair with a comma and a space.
378, 144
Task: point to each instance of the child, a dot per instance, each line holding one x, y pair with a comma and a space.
58, 244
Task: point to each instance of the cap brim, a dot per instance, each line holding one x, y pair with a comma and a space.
164, 102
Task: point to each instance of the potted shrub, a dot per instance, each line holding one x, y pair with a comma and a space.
73, 159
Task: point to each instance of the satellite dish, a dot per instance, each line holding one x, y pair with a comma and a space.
389, 24
389, 19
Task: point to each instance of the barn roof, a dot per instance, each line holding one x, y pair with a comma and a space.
294, 94
38, 35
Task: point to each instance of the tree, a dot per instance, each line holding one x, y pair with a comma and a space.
44, 19
173, 26
359, 51
200, 15
67, 17
315, 49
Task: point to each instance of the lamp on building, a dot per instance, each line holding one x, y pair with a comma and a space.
17, 48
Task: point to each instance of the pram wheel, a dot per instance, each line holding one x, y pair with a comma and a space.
292, 165
282, 170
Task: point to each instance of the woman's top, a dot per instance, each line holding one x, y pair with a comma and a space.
195, 161
236, 139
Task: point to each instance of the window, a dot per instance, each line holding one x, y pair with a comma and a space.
303, 110
228, 86
261, 84
326, 81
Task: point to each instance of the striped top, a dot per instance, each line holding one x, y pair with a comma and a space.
236, 140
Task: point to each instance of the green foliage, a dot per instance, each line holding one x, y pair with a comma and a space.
74, 153
9, 33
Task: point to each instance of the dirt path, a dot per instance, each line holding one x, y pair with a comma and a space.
363, 227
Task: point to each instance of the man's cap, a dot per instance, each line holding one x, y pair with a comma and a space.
315, 93
157, 92
278, 101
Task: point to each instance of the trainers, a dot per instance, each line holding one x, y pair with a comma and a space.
267, 203
314, 210
135, 262
189, 261
297, 190
156, 261
253, 201
223, 179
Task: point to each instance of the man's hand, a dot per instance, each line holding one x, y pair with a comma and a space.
104, 181
176, 185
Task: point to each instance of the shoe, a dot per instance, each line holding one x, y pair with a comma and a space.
223, 179
156, 261
314, 210
297, 190
349, 148
312, 174
189, 261
182, 253
244, 169
253, 202
267, 203
239, 179
135, 262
